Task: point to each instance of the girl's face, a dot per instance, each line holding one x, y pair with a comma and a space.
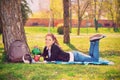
49, 41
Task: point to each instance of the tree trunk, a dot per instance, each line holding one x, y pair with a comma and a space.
70, 11
79, 18
0, 26
79, 23
117, 4
81, 11
12, 24
95, 20
66, 21
52, 22
100, 9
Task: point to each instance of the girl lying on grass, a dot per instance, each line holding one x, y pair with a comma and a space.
52, 51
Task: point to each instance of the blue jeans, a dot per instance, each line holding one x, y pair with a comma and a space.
93, 53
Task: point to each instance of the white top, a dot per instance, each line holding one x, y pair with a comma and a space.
71, 57
49, 52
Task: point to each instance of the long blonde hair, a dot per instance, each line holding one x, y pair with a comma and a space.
53, 37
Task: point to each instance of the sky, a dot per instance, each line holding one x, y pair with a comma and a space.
38, 5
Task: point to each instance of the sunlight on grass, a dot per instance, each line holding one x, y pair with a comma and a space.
109, 49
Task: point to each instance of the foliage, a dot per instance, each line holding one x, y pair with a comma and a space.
118, 13
25, 10
60, 30
57, 8
4, 58
109, 8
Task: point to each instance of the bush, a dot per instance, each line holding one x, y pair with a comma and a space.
60, 30
4, 57
100, 25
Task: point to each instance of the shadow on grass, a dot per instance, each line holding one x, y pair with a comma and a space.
71, 46
10, 76
1, 50
110, 53
106, 53
113, 74
2, 55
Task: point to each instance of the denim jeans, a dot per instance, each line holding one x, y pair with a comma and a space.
93, 53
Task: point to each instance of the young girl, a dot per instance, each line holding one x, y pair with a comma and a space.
52, 51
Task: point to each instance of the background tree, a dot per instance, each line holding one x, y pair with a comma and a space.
66, 21
117, 14
56, 7
12, 22
111, 11
25, 11
79, 17
82, 6
100, 7
70, 14
95, 20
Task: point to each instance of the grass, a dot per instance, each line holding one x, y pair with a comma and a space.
109, 49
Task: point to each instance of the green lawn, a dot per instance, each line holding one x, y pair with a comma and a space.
109, 49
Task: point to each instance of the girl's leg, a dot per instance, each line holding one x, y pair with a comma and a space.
81, 57
91, 49
94, 49
94, 53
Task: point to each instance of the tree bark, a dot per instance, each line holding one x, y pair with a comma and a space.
12, 24
96, 24
70, 13
66, 21
79, 18
0, 26
52, 18
117, 4
81, 10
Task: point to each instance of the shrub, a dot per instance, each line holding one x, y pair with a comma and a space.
60, 30
4, 57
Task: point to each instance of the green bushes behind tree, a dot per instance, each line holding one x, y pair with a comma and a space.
60, 30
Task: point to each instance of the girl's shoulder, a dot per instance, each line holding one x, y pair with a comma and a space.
55, 46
